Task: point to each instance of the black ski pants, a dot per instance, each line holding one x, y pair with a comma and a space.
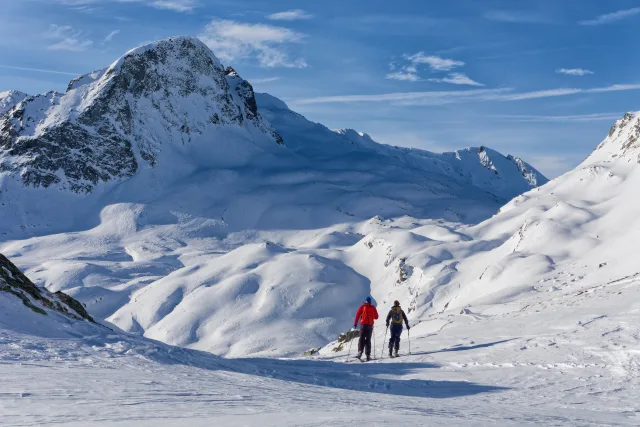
396, 331
364, 344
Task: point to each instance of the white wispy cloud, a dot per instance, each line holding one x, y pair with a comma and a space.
516, 17
175, 5
232, 40
609, 117
611, 17
290, 15
111, 35
259, 80
473, 95
403, 76
457, 79
434, 62
65, 37
433, 98
574, 71
38, 70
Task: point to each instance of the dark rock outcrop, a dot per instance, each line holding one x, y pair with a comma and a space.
14, 282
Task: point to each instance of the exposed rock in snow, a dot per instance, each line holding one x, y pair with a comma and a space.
14, 282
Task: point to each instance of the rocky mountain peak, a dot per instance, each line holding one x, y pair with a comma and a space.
152, 104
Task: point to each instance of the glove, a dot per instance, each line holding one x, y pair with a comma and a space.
387, 325
408, 327
355, 328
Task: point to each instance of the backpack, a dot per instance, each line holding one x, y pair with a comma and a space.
396, 316
364, 318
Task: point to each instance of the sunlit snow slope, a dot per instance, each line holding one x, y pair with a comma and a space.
173, 202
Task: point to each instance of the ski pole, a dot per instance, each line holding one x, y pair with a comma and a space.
409, 336
374, 342
383, 341
351, 343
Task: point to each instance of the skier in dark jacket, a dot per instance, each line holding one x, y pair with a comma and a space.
366, 315
396, 316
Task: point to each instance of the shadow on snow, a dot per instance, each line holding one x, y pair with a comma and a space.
369, 377
462, 348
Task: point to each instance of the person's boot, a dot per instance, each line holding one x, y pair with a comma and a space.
390, 353
396, 355
368, 357
359, 355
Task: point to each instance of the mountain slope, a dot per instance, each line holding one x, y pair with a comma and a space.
572, 235
170, 200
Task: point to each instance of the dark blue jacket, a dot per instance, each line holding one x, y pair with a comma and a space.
404, 316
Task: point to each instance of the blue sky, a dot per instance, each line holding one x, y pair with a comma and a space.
542, 79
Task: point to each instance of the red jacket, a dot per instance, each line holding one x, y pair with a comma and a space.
366, 314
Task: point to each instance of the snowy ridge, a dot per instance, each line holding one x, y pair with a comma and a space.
10, 99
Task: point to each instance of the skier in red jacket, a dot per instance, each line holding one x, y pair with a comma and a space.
366, 315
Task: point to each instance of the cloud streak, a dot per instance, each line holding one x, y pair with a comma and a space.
174, 5
609, 117
435, 63
260, 80
457, 79
574, 71
290, 15
231, 40
611, 17
39, 70
473, 95
67, 38
404, 75
111, 35
516, 17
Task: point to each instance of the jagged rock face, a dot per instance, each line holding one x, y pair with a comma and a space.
531, 175
622, 141
247, 100
110, 121
14, 282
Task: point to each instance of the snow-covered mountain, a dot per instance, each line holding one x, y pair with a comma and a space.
171, 200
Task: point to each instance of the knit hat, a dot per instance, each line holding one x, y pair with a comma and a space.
368, 299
